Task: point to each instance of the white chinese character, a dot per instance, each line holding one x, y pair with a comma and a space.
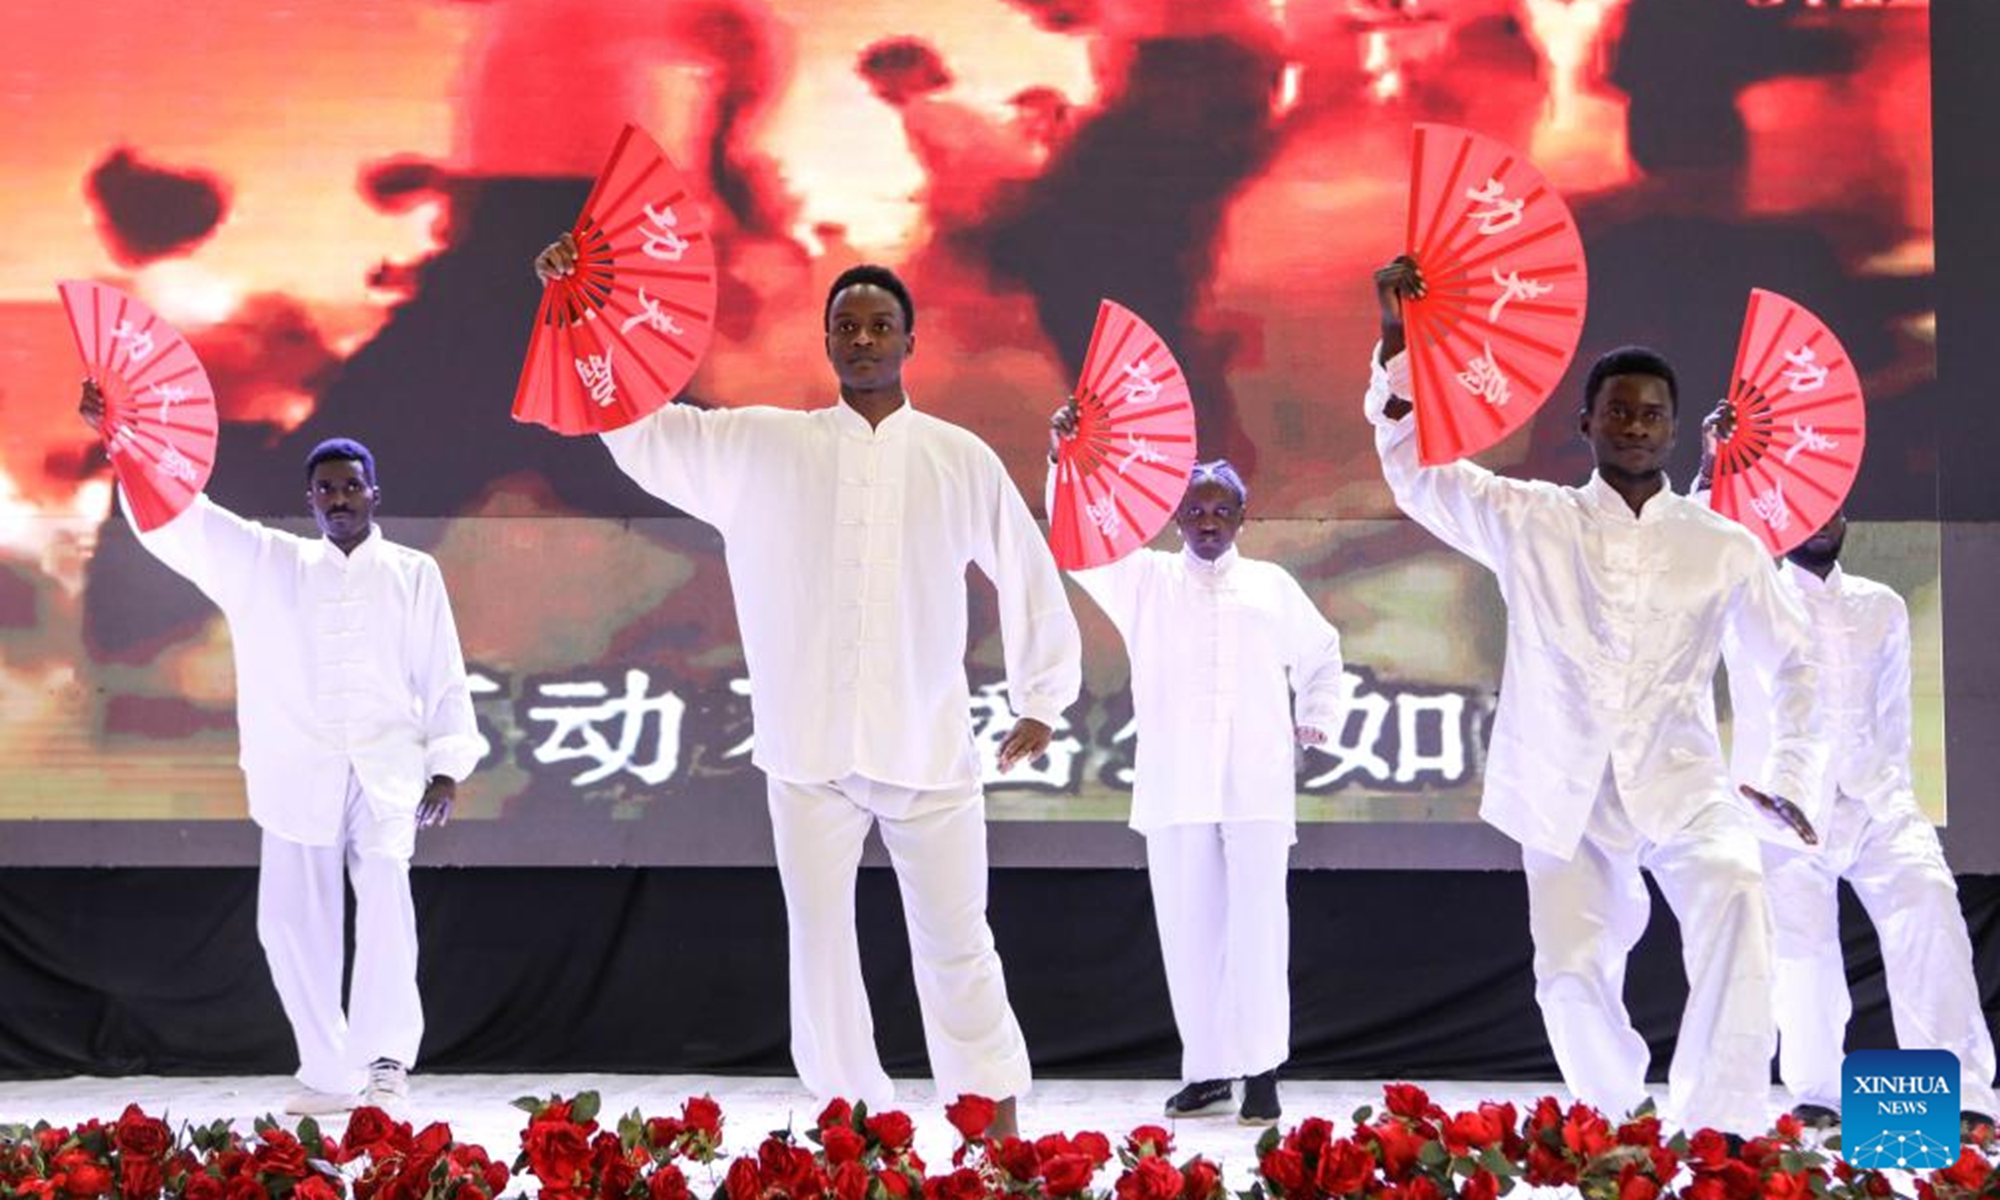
661, 241
1807, 373
175, 465
1500, 213
742, 749
1139, 450
1482, 377
1808, 439
1103, 513
1140, 387
992, 721
596, 376
168, 394
123, 440
1358, 756
1771, 508
653, 316
139, 342
574, 734
1515, 288
1412, 760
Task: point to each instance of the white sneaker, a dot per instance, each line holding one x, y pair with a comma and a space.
311, 1102
388, 1085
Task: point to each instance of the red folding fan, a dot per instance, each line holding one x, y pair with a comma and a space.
1505, 290
622, 334
159, 409
1792, 456
1121, 477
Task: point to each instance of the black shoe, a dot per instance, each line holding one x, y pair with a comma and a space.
1204, 1098
1975, 1128
1260, 1100
1817, 1116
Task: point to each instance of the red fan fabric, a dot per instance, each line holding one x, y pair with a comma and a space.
621, 335
159, 408
1800, 427
1119, 480
1505, 290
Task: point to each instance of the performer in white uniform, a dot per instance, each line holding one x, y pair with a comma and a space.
356, 726
848, 531
1875, 837
1604, 756
1214, 639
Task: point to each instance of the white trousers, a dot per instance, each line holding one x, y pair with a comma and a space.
301, 921
1225, 934
937, 844
1897, 868
1586, 913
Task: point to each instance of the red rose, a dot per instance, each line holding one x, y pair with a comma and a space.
1640, 1131
556, 1150
1068, 1173
1547, 1168
1153, 1178
1344, 1169
972, 1116
82, 1176
850, 1182
702, 1115
837, 1112
433, 1141
1706, 1188
1637, 1187
1421, 1188
315, 1187
245, 1187
962, 1184
1284, 1169
280, 1154
370, 1127
1311, 1136
896, 1183
1200, 1180
1586, 1132
1666, 1164
667, 1183
1708, 1150
1787, 1185
1018, 1159
842, 1145
141, 1135
1092, 1145
1740, 1181
1149, 1139
893, 1129
1407, 1100
202, 1186
616, 1175
1399, 1147
48, 1141
742, 1182
1878, 1185
140, 1179
662, 1133
1969, 1172
1482, 1186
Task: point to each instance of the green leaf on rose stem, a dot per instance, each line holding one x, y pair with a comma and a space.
1255, 1191
1830, 1142
1678, 1144
279, 1186
1816, 1184
521, 1162
876, 1191
1495, 1160
1268, 1141
585, 1107
1646, 1109
860, 1114
1433, 1155
309, 1133
528, 1104
264, 1124
812, 1135
631, 1129
1362, 1114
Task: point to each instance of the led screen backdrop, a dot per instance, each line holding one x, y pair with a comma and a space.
338, 202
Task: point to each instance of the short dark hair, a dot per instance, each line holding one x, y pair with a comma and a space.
1220, 471
342, 450
875, 276
1631, 360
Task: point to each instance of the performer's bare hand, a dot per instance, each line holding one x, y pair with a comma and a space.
435, 809
1716, 428
1785, 811
1025, 744
1308, 736
1396, 283
91, 406
557, 260
1062, 426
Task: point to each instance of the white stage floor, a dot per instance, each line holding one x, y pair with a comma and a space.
478, 1107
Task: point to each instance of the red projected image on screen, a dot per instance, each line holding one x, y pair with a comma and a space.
338, 204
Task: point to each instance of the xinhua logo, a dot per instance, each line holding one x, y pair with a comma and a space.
1899, 1109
